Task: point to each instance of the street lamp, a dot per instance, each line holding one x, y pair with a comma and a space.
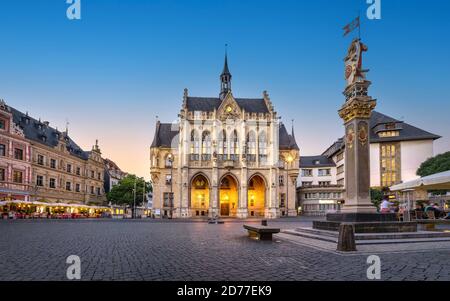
134, 199
170, 159
289, 158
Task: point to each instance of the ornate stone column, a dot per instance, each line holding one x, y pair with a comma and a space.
356, 113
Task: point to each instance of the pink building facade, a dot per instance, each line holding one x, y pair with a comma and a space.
15, 159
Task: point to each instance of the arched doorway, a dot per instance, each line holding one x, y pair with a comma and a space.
199, 195
256, 197
229, 196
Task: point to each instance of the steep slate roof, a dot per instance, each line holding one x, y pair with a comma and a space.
165, 134
33, 132
407, 132
311, 161
287, 141
209, 104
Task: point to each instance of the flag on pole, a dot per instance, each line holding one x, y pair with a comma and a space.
350, 27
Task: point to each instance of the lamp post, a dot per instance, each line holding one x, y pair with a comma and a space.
289, 160
134, 199
170, 158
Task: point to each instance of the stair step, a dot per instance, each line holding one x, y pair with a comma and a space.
318, 232
310, 235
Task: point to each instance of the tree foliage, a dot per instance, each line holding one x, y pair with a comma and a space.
123, 192
434, 165
376, 196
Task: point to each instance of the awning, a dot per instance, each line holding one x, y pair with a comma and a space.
438, 181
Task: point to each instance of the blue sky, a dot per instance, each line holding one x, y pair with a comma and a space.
125, 62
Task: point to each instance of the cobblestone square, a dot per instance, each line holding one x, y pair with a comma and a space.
180, 250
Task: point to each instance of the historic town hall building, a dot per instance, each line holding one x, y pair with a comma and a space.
225, 156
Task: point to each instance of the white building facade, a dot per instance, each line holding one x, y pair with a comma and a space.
396, 151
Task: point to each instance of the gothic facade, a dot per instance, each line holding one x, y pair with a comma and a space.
225, 156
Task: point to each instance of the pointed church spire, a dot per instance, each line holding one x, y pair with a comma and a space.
292, 128
225, 77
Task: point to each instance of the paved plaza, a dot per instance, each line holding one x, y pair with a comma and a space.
176, 250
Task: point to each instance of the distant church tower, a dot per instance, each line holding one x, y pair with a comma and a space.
225, 79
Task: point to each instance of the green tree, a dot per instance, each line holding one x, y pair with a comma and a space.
123, 192
376, 196
434, 165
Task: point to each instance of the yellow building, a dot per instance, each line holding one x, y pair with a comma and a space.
225, 156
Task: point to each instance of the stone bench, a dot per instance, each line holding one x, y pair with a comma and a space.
261, 232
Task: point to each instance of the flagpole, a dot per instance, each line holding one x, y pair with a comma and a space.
359, 27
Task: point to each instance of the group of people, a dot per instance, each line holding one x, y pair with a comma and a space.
421, 210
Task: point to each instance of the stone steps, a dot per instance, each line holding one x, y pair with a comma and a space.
371, 238
310, 235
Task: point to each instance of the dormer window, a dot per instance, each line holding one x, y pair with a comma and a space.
388, 134
316, 162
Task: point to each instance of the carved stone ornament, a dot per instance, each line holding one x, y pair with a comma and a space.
357, 108
17, 130
350, 137
362, 133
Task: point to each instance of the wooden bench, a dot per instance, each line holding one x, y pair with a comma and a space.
261, 232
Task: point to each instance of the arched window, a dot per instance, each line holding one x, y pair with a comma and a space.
234, 140
251, 146
262, 147
223, 150
206, 146
195, 146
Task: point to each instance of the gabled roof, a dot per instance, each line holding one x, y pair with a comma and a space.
165, 134
36, 130
316, 161
209, 104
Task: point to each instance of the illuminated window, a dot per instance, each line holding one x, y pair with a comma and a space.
389, 164
17, 177
389, 134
